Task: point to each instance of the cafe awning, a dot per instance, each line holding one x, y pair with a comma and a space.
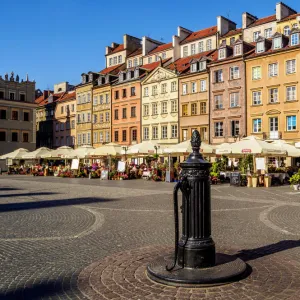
36, 154
186, 147
17, 154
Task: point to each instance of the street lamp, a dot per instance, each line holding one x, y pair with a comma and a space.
125, 149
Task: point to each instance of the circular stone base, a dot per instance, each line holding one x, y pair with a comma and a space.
227, 269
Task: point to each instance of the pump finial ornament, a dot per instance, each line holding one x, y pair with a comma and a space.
196, 141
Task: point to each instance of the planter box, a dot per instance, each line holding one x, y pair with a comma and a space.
268, 180
254, 182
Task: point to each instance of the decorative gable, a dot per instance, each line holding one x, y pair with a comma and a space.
160, 74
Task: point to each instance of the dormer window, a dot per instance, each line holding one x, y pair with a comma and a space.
136, 73
128, 75
135, 62
295, 25
222, 53
286, 30
238, 50
294, 39
277, 42
260, 47
193, 67
121, 77
90, 77
256, 35
107, 78
83, 78
202, 65
129, 63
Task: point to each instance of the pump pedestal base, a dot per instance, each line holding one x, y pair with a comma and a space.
227, 269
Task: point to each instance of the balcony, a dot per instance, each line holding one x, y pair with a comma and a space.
272, 135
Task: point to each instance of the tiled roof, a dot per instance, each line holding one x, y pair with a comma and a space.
154, 65
182, 64
117, 49
200, 34
113, 69
263, 21
67, 96
161, 48
291, 17
232, 32
136, 52
43, 101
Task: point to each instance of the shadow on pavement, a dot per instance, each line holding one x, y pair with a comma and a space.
8, 189
27, 194
50, 203
251, 254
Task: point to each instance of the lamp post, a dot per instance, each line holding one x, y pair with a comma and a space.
125, 148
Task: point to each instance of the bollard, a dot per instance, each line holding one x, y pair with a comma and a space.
195, 261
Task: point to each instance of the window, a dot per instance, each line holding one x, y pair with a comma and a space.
106, 117
286, 30
94, 119
208, 45
95, 100
136, 73
277, 42
235, 128
174, 131
232, 40
164, 55
15, 115
119, 59
273, 70
107, 136
67, 125
129, 63
14, 136
146, 110
67, 140
290, 93
194, 87
88, 97
25, 137
164, 107
268, 33
222, 53
83, 138
72, 108
3, 114
184, 109
294, 39
185, 51
22, 97
291, 123
156, 58
124, 135
83, 118
79, 139
133, 112
62, 126
57, 141
203, 108
134, 135
256, 125
218, 102
184, 134
164, 132
106, 98
110, 61
89, 117
124, 113
116, 94
256, 35
193, 108
173, 86
2, 136
101, 118
154, 109
146, 91
202, 85
116, 114
101, 137
256, 73
193, 67
260, 47
219, 76
273, 95
146, 133
234, 99
95, 137
73, 124
295, 25
1, 95
89, 138
163, 88
256, 98
218, 129
173, 106
200, 47
184, 89
135, 62
26, 116
52, 112
193, 49
12, 96
132, 91
291, 66
149, 60
116, 136
234, 73
154, 90
124, 93
101, 99
155, 132
238, 49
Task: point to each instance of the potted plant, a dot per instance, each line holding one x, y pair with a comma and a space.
294, 181
267, 180
254, 180
249, 181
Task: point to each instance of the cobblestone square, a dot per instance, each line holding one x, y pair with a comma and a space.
67, 238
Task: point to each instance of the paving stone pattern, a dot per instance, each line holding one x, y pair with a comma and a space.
85, 239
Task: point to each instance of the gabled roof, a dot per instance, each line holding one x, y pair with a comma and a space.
200, 34
291, 17
67, 96
114, 69
41, 101
154, 65
263, 21
161, 48
136, 52
117, 49
232, 32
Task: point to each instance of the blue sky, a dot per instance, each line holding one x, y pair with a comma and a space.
57, 40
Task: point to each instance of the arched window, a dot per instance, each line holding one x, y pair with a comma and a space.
286, 30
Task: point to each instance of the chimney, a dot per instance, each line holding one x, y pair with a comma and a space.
247, 19
176, 47
149, 44
182, 33
46, 94
114, 45
224, 25
283, 11
108, 50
